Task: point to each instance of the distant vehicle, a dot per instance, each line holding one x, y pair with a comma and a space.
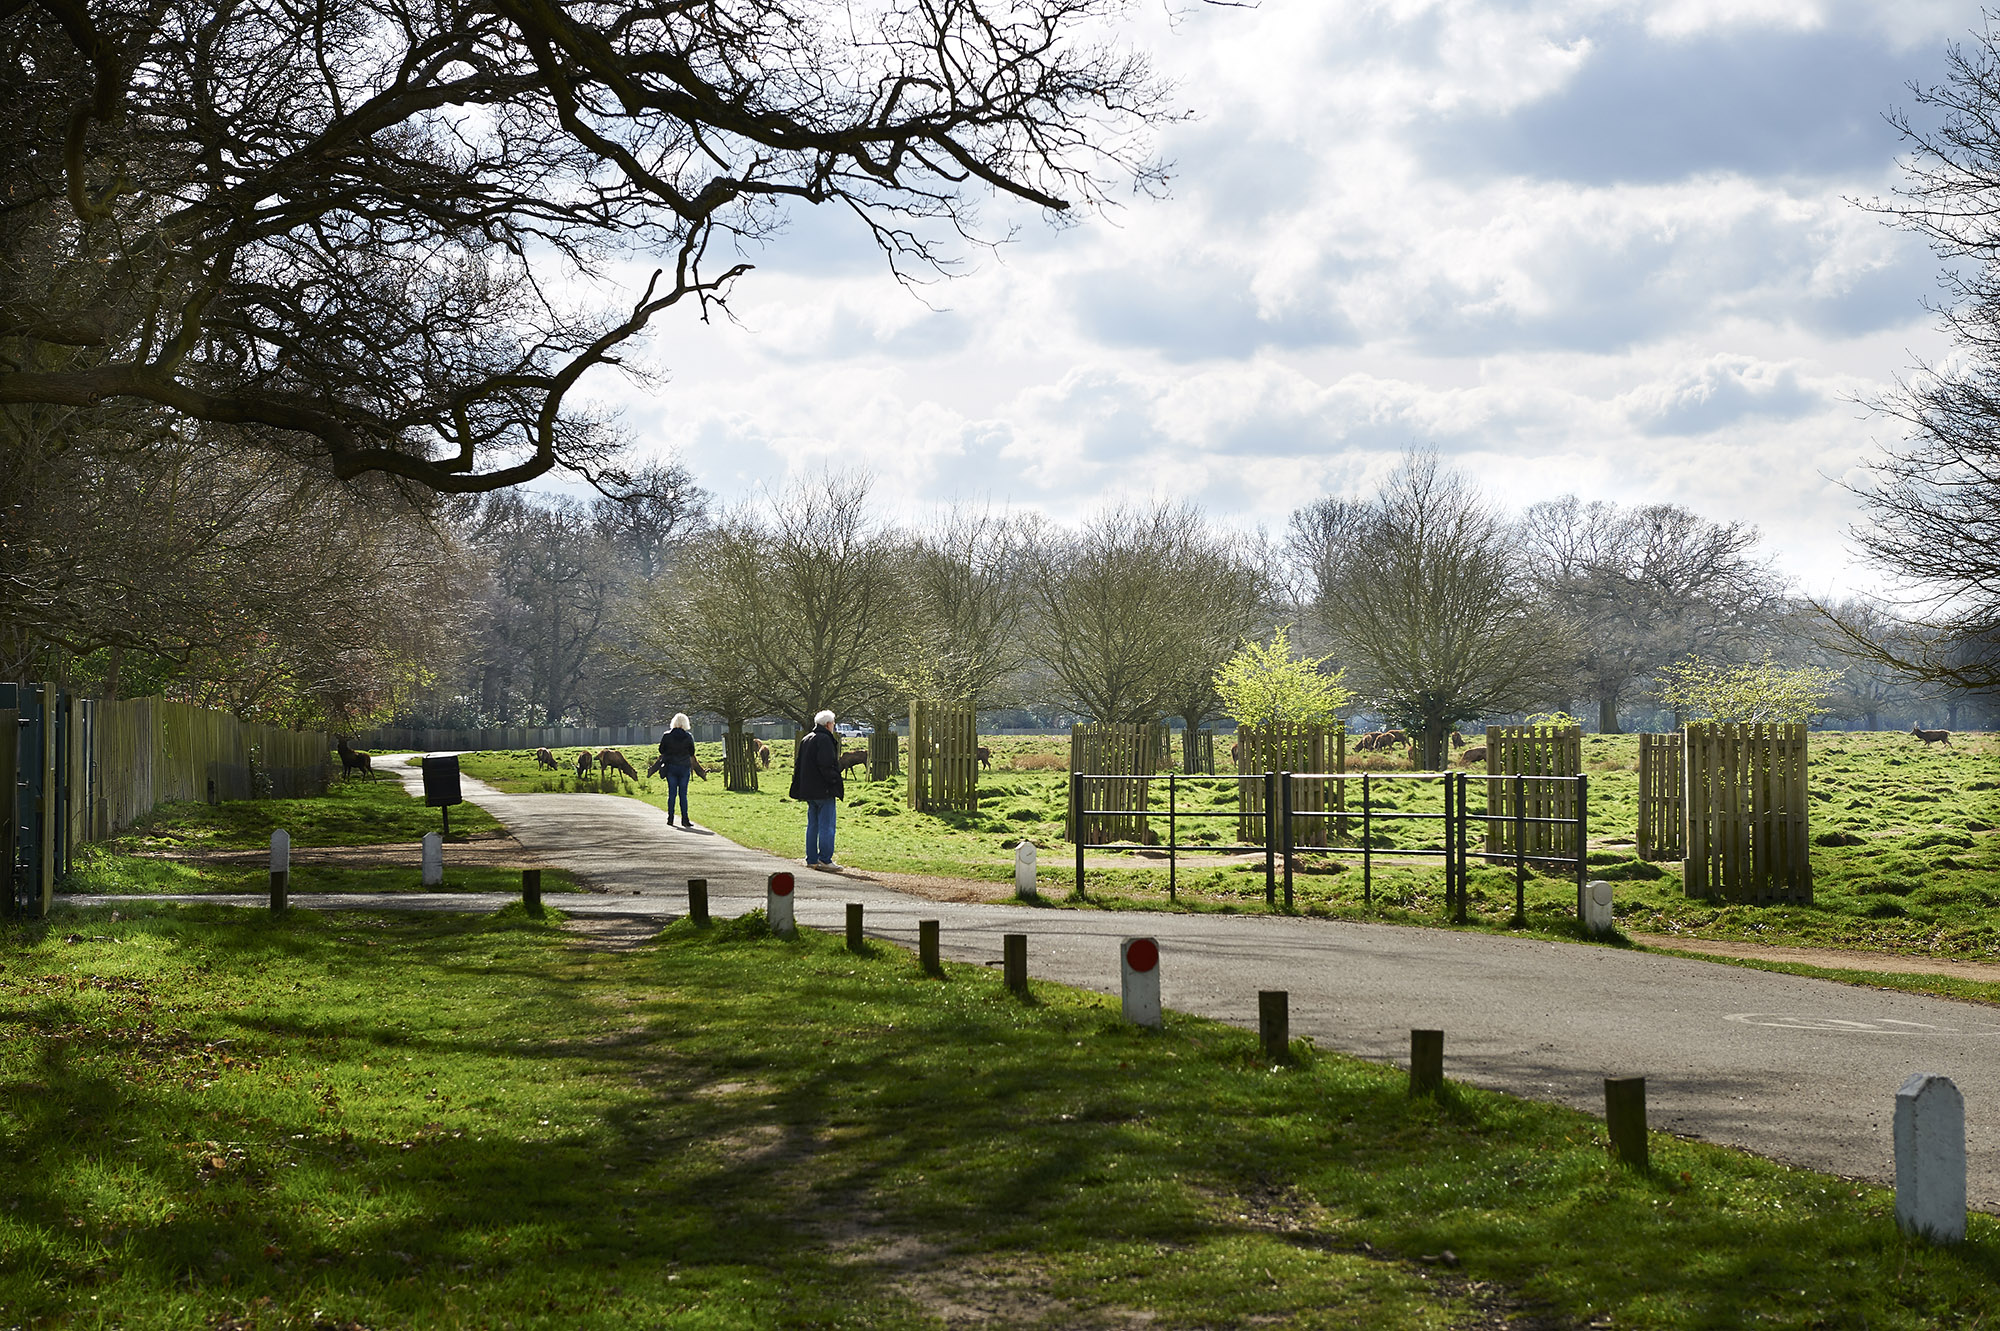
850, 731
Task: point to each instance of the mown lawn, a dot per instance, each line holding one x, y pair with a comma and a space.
363, 811
111, 873
217, 1119
1906, 855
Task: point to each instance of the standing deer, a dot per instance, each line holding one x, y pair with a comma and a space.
1932, 736
352, 761
583, 762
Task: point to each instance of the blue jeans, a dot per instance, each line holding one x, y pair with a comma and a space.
677, 775
819, 831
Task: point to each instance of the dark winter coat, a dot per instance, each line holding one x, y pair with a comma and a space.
677, 748
816, 774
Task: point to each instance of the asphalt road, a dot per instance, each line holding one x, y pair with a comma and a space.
1800, 1070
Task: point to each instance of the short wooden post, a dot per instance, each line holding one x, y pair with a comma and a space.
927, 947
531, 891
1625, 1116
1274, 1023
698, 902
1426, 1062
856, 940
280, 889
1014, 961
281, 869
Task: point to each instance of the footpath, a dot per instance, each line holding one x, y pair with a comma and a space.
1800, 1070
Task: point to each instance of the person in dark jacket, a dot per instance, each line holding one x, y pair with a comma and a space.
676, 763
817, 781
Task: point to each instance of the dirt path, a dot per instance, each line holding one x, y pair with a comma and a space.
1828, 958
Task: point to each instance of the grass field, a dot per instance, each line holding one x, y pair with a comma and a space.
219, 1120
1906, 857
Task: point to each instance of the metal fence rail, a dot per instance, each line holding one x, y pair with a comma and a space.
1281, 820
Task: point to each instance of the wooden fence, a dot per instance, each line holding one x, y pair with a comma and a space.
147, 752
1662, 786
1533, 751
1198, 753
944, 756
1744, 813
739, 760
883, 749
1130, 753
1293, 749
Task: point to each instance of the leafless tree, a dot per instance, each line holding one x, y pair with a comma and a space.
1933, 502
1434, 614
1645, 587
370, 232
956, 631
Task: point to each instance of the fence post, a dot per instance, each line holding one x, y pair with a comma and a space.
1520, 919
531, 891
1582, 836
698, 902
1173, 833
1285, 780
1274, 1024
1625, 1118
927, 947
1270, 838
857, 941
1426, 1062
1367, 846
1464, 851
1078, 823
1014, 962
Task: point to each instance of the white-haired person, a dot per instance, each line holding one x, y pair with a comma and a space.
816, 780
676, 764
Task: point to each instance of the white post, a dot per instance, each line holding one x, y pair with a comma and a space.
1024, 871
281, 851
1597, 907
1930, 1158
778, 905
433, 859
1139, 965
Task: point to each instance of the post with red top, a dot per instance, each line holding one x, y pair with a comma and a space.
1140, 969
778, 905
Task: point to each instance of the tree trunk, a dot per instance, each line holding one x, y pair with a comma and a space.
1868, 719
1430, 744
1607, 713
1951, 716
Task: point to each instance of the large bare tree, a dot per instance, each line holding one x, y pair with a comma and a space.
371, 233
1434, 613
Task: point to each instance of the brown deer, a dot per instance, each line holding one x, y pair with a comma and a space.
1932, 736
763, 752
351, 760
853, 758
583, 762
611, 760
985, 756
543, 758
1475, 754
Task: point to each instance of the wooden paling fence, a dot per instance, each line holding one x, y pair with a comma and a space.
739, 760
508, 737
944, 756
1293, 749
149, 751
1123, 754
883, 749
1198, 752
1533, 751
1662, 786
1744, 813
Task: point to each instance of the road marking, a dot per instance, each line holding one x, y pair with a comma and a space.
1796, 1021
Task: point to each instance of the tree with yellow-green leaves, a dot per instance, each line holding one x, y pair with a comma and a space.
1265, 685
1750, 691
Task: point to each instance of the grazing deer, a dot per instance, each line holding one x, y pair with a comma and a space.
658, 767
763, 752
583, 762
853, 758
1475, 754
985, 756
611, 760
1932, 736
543, 758
352, 761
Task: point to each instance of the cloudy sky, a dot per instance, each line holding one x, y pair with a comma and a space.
1575, 245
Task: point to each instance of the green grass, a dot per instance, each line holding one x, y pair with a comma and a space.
216, 1119
360, 812
101, 871
1906, 855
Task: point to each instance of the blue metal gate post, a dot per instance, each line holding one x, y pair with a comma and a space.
1520, 919
1367, 850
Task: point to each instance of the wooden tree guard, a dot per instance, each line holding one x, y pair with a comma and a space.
1314, 749
1198, 753
883, 748
1661, 785
1130, 753
944, 756
739, 759
1744, 813
1533, 751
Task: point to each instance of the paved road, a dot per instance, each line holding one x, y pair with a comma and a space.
1800, 1070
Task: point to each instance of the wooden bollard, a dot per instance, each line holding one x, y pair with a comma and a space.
281, 882
281, 869
1274, 1023
1014, 961
698, 902
531, 891
1625, 1116
1426, 1062
856, 940
927, 947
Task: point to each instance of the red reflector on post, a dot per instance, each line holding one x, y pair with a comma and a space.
1142, 955
781, 884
